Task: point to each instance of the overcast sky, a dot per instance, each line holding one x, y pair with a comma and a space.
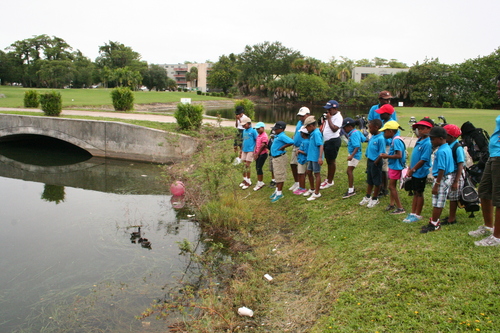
164, 31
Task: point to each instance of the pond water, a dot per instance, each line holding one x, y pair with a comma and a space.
269, 113
70, 262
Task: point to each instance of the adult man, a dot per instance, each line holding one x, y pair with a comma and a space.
384, 97
303, 113
238, 140
331, 135
489, 190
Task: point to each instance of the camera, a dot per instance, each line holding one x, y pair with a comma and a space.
324, 115
412, 121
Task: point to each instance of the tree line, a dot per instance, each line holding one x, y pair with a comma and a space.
282, 74
50, 62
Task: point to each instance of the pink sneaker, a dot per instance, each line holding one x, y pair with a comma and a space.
299, 191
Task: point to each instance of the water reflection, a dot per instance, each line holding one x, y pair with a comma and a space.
53, 193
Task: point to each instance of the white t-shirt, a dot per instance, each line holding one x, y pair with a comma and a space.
337, 120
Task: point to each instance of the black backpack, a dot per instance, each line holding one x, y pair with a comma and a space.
477, 141
469, 198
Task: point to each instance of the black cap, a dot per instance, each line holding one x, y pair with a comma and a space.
438, 131
239, 110
279, 125
348, 121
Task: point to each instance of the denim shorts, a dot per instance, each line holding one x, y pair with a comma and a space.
314, 167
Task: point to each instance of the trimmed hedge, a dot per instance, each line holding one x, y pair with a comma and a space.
189, 116
31, 99
123, 99
51, 103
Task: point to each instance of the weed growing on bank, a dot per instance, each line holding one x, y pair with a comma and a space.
336, 266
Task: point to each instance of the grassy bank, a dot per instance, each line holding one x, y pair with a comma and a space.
337, 267
74, 98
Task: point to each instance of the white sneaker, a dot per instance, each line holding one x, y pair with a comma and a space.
308, 193
242, 184
481, 231
488, 241
237, 161
314, 196
294, 187
372, 203
326, 184
364, 201
245, 187
259, 185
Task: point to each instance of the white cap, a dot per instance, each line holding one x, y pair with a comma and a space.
303, 111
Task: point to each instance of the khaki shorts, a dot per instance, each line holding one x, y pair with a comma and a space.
280, 165
354, 162
301, 168
247, 157
293, 159
385, 164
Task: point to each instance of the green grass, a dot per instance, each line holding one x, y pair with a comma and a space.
74, 98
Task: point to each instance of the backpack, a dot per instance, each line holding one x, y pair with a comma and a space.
404, 153
477, 142
469, 198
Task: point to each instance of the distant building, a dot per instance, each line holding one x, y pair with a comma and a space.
360, 73
178, 73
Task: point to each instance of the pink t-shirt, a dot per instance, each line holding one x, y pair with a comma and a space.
262, 139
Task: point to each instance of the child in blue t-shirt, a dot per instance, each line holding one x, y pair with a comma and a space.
457, 176
376, 147
419, 167
355, 139
314, 158
442, 169
247, 149
302, 161
397, 161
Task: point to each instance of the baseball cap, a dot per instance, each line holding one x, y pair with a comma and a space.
279, 125
245, 119
348, 121
392, 125
424, 122
385, 94
331, 104
239, 110
438, 131
386, 108
452, 130
309, 120
304, 130
303, 111
259, 125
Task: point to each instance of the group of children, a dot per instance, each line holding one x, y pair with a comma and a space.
446, 165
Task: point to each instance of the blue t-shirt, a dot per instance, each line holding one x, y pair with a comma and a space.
297, 138
443, 160
249, 139
372, 114
495, 140
279, 141
376, 146
459, 155
421, 152
356, 138
397, 164
315, 141
304, 146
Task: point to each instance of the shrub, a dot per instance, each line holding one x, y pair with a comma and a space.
179, 89
248, 106
123, 99
31, 99
189, 116
229, 95
51, 103
446, 105
198, 92
185, 90
477, 105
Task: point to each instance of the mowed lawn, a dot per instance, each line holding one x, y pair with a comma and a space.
73, 98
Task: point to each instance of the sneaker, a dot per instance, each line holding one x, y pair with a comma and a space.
244, 187
243, 183
277, 197
326, 184
364, 201
308, 193
237, 161
372, 203
272, 195
411, 218
488, 241
314, 196
348, 195
430, 227
272, 184
259, 186
446, 221
299, 191
390, 208
398, 211
294, 187
481, 231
